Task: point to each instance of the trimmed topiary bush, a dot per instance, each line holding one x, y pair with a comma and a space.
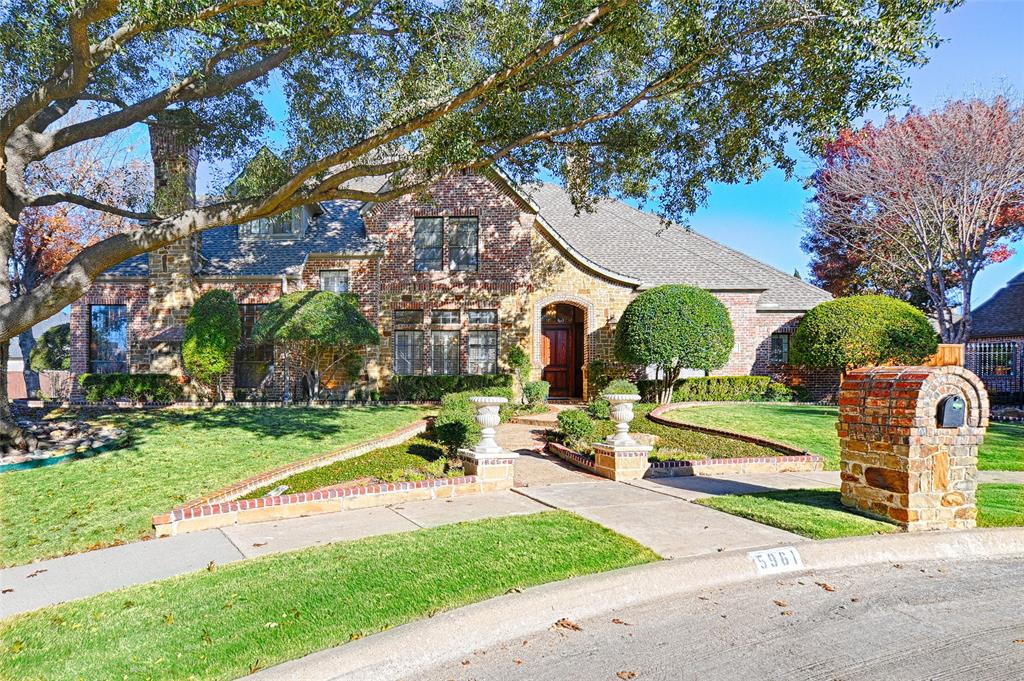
722, 389
576, 426
53, 349
674, 327
455, 426
153, 388
212, 333
431, 388
536, 392
519, 362
862, 331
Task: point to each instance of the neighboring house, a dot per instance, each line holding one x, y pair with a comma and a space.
452, 281
996, 349
16, 363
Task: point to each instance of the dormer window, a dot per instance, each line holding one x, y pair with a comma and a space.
281, 226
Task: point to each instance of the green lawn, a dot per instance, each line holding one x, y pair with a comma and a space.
812, 427
414, 459
227, 623
814, 513
818, 513
679, 443
1000, 505
174, 456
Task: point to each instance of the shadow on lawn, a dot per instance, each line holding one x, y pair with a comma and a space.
271, 422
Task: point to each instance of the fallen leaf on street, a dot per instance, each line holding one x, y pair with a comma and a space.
211, 566
567, 624
826, 586
626, 675
7, 591
781, 604
787, 613
37, 572
618, 621
465, 663
1019, 640
259, 544
517, 661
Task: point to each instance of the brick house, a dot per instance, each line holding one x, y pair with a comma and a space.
995, 351
452, 280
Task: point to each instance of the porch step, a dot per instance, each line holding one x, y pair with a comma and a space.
548, 419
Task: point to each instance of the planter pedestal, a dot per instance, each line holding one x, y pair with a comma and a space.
488, 461
621, 462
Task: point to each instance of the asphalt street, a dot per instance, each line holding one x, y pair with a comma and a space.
915, 621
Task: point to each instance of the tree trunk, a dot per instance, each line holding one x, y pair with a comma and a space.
9, 429
27, 341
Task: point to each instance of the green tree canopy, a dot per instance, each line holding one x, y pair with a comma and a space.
53, 349
212, 332
863, 331
322, 331
674, 327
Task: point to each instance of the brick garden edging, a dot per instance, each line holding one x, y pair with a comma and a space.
238, 489
585, 461
324, 500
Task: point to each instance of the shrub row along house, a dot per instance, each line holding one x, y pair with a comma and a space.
996, 349
452, 279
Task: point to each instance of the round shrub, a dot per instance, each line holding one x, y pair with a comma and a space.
455, 426
863, 331
53, 349
536, 392
598, 408
621, 386
576, 426
674, 327
212, 332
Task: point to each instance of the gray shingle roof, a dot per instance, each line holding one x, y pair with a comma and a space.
1003, 313
615, 236
639, 245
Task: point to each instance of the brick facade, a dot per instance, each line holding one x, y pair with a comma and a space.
521, 269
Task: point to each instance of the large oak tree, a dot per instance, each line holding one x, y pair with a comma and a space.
657, 96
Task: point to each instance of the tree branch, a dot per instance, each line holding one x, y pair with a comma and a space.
84, 201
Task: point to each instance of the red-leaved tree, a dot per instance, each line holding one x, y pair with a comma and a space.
48, 237
918, 206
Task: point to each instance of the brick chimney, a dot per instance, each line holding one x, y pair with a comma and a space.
172, 287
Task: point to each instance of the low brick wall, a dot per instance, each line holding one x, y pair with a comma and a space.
688, 467
325, 500
781, 447
243, 487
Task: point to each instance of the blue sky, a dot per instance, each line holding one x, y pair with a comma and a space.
982, 54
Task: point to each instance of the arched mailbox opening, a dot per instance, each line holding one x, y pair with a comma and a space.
909, 438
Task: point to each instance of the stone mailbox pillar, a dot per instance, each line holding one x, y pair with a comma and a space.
493, 465
900, 459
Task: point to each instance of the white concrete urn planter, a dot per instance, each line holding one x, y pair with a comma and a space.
488, 416
621, 413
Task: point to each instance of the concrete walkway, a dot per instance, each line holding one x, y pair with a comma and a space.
85, 574
535, 468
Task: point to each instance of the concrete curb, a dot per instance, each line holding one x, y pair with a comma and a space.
429, 642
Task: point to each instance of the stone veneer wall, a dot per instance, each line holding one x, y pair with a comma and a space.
896, 462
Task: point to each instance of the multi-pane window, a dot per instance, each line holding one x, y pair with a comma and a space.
444, 352
282, 225
481, 317
444, 317
252, 361
335, 281
463, 244
996, 359
108, 339
408, 355
408, 317
428, 244
780, 349
483, 352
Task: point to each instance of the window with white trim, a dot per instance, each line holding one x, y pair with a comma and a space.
444, 317
483, 352
444, 352
482, 317
463, 244
428, 244
335, 281
408, 353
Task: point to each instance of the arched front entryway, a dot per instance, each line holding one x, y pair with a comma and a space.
563, 349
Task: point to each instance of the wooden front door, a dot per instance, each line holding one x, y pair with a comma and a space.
557, 357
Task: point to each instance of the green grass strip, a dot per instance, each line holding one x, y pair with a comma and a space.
251, 615
1000, 505
814, 513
